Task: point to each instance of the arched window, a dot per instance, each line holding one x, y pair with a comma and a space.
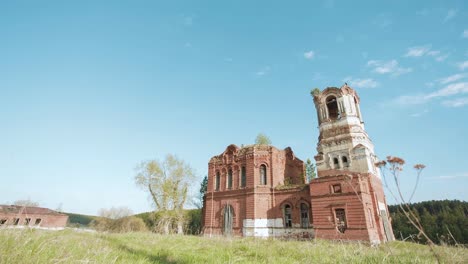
263, 175
304, 215
287, 215
332, 107
340, 220
243, 177
344, 159
218, 178
336, 163
229, 179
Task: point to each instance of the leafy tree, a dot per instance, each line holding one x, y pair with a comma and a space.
203, 188
197, 201
310, 170
262, 139
167, 184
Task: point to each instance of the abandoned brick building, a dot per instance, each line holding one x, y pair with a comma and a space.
29, 216
259, 190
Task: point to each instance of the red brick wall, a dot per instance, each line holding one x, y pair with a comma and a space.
255, 201
359, 195
359, 198
48, 221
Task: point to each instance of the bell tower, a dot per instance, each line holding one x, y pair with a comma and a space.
343, 142
347, 198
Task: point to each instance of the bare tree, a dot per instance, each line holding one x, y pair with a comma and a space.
167, 184
26, 202
394, 166
118, 220
115, 212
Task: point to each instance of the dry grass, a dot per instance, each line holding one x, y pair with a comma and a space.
38, 246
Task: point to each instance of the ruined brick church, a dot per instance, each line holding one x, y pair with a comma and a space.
261, 191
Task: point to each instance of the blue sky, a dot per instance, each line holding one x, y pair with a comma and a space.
90, 88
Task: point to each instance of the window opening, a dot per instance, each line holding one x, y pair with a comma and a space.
243, 177
304, 215
336, 188
263, 175
344, 159
38, 221
287, 216
218, 178
229, 181
16, 221
332, 107
340, 220
26, 221
336, 163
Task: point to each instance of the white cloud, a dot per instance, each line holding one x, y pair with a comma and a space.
263, 71
411, 99
390, 67
452, 78
448, 90
450, 14
426, 50
453, 176
451, 89
463, 65
361, 83
442, 57
456, 102
417, 51
465, 33
309, 54
420, 113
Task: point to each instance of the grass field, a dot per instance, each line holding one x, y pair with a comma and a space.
68, 246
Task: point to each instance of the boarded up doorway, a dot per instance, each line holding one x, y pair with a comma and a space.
228, 220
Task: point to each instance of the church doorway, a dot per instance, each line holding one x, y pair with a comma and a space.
228, 220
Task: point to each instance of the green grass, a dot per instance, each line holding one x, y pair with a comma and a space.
38, 246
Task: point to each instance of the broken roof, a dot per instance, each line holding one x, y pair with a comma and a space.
18, 209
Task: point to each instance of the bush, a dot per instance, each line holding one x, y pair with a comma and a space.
121, 225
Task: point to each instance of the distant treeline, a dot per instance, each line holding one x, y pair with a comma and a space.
445, 222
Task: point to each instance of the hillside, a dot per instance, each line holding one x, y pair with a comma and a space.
79, 220
39, 246
445, 222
